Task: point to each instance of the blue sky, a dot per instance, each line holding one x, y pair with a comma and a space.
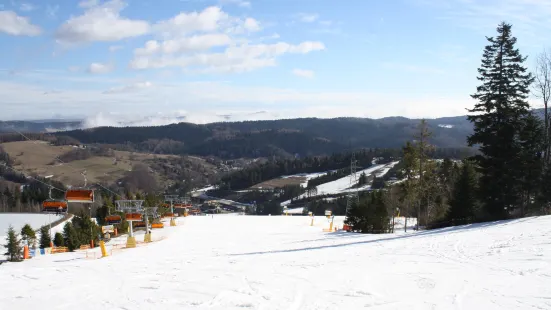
251, 59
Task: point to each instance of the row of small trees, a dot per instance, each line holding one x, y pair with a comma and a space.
80, 230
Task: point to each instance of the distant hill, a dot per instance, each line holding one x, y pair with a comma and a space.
282, 138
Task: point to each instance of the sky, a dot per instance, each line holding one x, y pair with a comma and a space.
210, 60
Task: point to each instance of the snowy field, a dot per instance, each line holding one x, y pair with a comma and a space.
280, 262
18, 220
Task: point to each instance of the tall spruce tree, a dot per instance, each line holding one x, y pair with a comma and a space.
28, 235
463, 200
45, 238
58, 239
70, 237
14, 251
498, 120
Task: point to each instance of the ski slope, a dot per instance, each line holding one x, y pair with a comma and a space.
342, 185
280, 262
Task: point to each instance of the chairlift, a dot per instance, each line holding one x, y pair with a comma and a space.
133, 217
139, 224
80, 195
113, 219
54, 206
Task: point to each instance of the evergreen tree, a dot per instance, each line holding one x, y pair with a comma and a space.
70, 237
58, 239
357, 217
370, 215
463, 201
532, 143
500, 112
28, 235
45, 238
362, 180
410, 186
14, 250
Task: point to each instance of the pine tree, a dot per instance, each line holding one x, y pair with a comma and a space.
28, 235
357, 216
463, 201
500, 111
14, 250
380, 219
362, 180
70, 237
58, 239
411, 184
532, 143
45, 238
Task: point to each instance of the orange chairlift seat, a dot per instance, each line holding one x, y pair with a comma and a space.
133, 217
113, 219
80, 195
54, 206
139, 224
157, 225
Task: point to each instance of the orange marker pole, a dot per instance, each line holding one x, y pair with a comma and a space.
26, 252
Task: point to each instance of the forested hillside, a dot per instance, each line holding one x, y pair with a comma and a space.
280, 138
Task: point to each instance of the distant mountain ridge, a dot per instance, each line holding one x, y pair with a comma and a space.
262, 138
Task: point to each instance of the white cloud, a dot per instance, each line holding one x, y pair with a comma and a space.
133, 87
99, 68
208, 20
27, 7
88, 3
193, 43
101, 23
241, 3
16, 25
187, 39
308, 18
237, 59
304, 73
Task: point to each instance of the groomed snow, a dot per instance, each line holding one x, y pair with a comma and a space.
280, 262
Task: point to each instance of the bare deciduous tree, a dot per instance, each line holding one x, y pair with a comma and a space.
542, 90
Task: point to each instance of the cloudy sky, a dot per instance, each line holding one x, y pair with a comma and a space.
251, 59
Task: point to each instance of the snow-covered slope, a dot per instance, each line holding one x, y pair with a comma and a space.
280, 262
342, 185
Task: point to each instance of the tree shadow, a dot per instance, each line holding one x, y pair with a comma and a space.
447, 230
